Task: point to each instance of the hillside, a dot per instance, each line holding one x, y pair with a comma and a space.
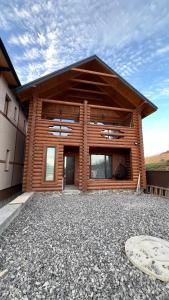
158, 162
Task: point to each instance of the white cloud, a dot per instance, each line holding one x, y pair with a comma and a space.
163, 50
158, 90
41, 39
22, 13
22, 39
36, 8
60, 32
31, 54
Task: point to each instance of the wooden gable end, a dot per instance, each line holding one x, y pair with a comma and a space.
90, 80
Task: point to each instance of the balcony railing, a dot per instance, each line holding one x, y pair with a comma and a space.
105, 125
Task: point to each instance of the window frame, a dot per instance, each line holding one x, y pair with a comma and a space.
45, 161
15, 113
24, 125
7, 160
6, 106
105, 169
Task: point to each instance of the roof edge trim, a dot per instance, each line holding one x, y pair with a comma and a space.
9, 62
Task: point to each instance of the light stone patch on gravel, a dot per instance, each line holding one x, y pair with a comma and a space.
73, 247
2, 273
150, 255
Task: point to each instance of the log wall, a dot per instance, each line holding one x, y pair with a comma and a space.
84, 136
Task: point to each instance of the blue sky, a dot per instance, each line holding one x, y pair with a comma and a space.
131, 36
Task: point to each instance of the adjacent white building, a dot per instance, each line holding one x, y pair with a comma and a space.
12, 129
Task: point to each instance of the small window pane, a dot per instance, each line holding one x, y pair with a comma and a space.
101, 166
97, 166
7, 160
108, 166
6, 107
15, 113
24, 124
50, 164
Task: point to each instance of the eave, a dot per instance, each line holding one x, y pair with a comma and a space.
84, 79
6, 68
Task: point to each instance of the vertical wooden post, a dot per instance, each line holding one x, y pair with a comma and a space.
30, 154
85, 150
142, 162
81, 149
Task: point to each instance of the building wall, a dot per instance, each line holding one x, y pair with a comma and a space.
84, 135
12, 138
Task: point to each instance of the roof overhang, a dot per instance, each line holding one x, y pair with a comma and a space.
7, 69
104, 78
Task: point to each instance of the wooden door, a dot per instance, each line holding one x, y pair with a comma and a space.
69, 169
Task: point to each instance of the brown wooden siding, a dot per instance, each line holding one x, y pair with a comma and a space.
83, 135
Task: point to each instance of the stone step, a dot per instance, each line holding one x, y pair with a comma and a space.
70, 192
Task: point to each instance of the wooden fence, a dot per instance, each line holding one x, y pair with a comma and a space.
158, 183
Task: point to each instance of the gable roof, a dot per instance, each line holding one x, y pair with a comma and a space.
55, 73
7, 68
38, 82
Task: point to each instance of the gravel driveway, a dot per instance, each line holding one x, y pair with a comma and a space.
72, 247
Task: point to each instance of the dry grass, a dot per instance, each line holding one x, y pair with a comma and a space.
157, 158
158, 162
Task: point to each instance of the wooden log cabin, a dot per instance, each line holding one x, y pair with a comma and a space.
84, 130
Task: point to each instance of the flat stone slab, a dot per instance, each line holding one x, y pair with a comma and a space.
150, 255
10, 211
2, 273
22, 198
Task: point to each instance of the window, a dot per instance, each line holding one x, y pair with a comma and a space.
6, 107
15, 113
58, 130
7, 160
63, 120
50, 164
24, 124
101, 166
56, 127
112, 134
55, 133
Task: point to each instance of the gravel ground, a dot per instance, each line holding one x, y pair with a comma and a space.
72, 247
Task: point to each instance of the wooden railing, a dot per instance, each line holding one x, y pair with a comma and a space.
106, 135
111, 134
59, 131
96, 134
